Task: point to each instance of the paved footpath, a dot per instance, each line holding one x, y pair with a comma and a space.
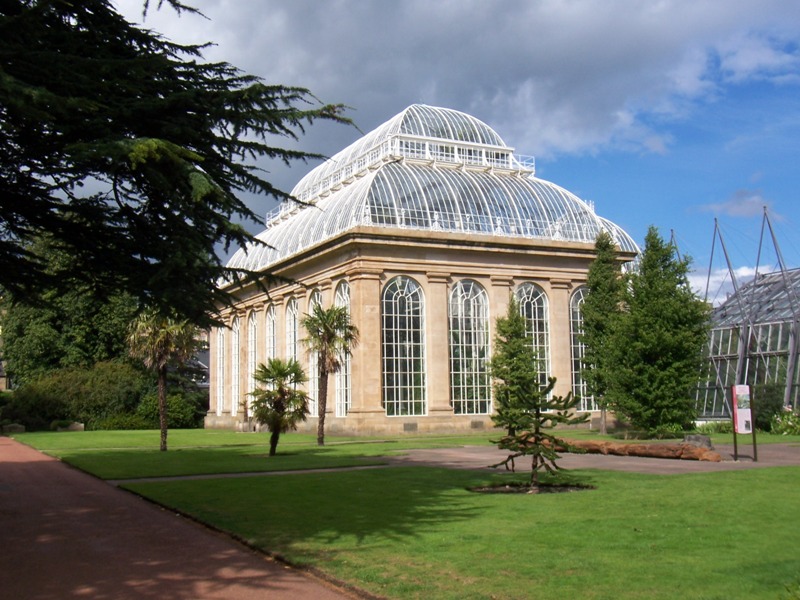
66, 534
476, 457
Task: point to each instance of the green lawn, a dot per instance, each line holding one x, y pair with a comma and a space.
135, 454
417, 532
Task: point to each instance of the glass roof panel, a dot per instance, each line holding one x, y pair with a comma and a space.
469, 197
770, 298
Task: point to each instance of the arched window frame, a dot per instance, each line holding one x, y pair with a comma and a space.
315, 299
403, 348
252, 349
270, 335
534, 306
291, 328
578, 350
235, 366
344, 374
220, 370
470, 385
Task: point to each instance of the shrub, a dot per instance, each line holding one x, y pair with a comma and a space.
77, 394
123, 422
107, 389
711, 427
786, 423
768, 401
666, 431
181, 412
35, 406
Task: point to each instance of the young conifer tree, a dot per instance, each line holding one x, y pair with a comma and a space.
526, 409
656, 346
599, 310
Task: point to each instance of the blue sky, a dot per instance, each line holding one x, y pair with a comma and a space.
662, 112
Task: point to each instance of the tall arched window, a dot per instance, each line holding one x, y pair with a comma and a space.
579, 389
235, 354
252, 345
344, 374
220, 370
291, 329
270, 337
533, 306
403, 318
313, 363
470, 389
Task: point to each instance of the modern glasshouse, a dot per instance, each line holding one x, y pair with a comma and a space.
754, 341
423, 228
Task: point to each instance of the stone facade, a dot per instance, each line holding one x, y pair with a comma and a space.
367, 258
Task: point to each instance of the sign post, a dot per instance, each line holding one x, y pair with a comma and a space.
743, 418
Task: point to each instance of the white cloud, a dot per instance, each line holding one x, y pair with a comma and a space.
719, 285
743, 203
752, 56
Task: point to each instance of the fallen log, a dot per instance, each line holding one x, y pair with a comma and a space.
674, 451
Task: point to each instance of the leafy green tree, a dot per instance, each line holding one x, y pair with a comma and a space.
279, 404
132, 153
71, 328
526, 409
160, 340
331, 336
656, 346
599, 309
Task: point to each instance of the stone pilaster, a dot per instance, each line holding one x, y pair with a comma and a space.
365, 312
560, 340
437, 344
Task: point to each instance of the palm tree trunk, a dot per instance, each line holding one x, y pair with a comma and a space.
162, 405
273, 441
323, 406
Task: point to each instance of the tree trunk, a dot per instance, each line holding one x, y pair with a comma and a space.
322, 407
162, 405
273, 441
603, 429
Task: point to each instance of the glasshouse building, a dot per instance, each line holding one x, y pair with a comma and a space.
423, 228
754, 341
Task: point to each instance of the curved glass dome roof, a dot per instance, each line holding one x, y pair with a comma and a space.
432, 169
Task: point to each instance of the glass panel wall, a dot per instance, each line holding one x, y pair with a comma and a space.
403, 333
470, 387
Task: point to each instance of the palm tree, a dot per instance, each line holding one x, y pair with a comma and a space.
159, 340
279, 404
331, 336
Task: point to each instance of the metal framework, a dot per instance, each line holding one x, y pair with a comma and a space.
235, 366
432, 169
292, 315
534, 307
470, 386
313, 363
754, 341
270, 336
578, 350
404, 369
344, 374
220, 370
252, 346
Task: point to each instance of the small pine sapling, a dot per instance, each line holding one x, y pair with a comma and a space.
530, 418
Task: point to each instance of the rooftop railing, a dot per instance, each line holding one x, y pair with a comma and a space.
439, 152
